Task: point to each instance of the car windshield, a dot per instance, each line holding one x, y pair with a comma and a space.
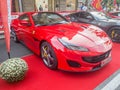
100, 15
48, 19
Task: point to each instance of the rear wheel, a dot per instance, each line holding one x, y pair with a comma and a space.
48, 56
114, 34
14, 35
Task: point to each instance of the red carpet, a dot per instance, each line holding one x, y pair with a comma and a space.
39, 77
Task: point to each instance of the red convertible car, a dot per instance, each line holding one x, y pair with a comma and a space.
62, 44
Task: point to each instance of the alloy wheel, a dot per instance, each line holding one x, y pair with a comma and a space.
48, 56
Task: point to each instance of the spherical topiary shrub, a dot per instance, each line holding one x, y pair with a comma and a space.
13, 70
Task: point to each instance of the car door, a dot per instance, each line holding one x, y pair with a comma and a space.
22, 26
27, 30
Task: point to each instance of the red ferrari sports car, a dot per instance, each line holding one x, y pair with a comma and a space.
62, 44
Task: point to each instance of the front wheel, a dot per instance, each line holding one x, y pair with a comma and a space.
114, 34
48, 56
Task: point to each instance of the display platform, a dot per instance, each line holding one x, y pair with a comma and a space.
39, 77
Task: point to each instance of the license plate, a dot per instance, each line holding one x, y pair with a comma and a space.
104, 62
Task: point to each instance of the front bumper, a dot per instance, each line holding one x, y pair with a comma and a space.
74, 62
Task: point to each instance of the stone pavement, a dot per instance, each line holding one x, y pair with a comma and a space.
111, 83
17, 50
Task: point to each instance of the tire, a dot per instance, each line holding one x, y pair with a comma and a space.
14, 35
48, 56
114, 34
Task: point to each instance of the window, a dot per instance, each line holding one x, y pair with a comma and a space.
73, 17
86, 15
24, 17
47, 18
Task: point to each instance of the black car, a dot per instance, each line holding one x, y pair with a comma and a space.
109, 25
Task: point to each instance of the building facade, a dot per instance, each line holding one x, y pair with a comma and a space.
47, 5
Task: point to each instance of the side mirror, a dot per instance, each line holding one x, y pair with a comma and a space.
25, 23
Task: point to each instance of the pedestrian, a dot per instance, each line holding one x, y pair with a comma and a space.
40, 8
83, 7
118, 4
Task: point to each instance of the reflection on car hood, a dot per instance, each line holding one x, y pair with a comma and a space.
85, 35
89, 36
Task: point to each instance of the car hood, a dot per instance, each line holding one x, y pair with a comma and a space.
112, 21
85, 35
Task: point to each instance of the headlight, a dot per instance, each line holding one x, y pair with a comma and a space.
72, 46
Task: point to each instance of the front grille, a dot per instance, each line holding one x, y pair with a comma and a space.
73, 63
96, 59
